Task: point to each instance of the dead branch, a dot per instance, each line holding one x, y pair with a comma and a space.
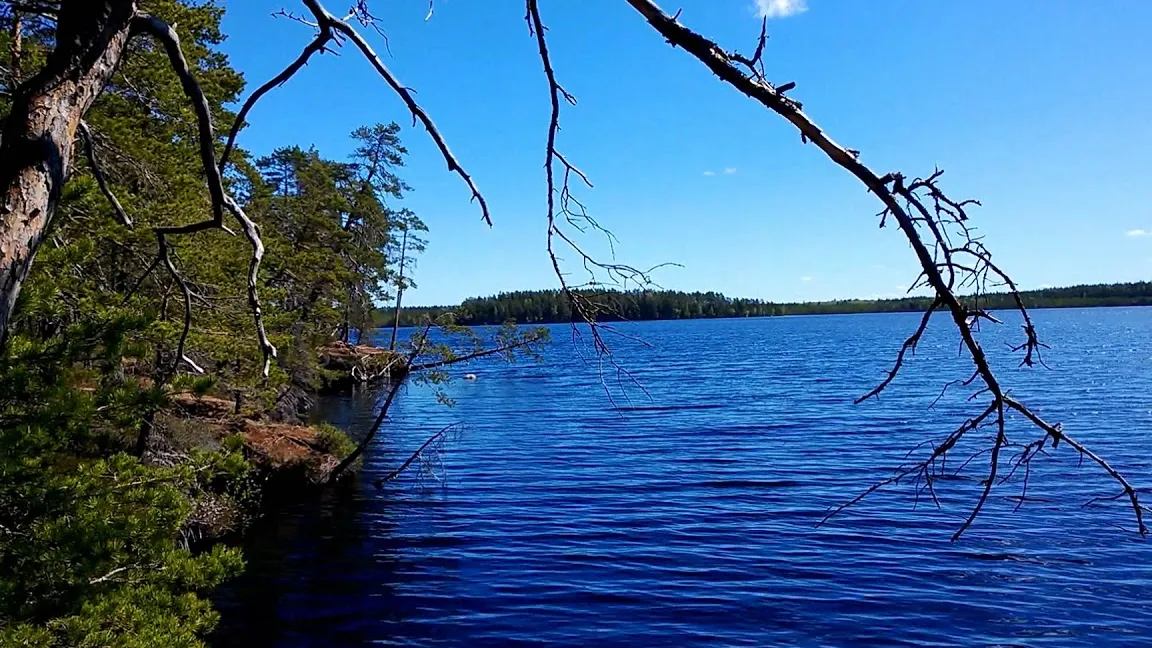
937, 251
925, 468
417, 348
139, 282
186, 292
112, 574
316, 46
93, 162
993, 465
584, 309
414, 456
755, 64
908, 346
1056, 433
331, 29
347, 462
170, 40
221, 201
326, 20
419, 342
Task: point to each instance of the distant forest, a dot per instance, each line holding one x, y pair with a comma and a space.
548, 306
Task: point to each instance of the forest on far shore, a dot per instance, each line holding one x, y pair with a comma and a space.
551, 306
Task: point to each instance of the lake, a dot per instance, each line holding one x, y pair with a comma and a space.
685, 516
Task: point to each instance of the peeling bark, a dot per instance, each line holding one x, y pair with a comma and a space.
40, 132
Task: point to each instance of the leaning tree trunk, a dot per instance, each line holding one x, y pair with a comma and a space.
39, 133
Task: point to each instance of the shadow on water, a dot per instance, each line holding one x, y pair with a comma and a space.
688, 520
302, 558
292, 555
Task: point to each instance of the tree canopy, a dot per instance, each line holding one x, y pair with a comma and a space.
91, 549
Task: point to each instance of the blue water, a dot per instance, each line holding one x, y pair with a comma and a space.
553, 519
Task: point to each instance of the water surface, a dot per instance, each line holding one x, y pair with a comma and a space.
562, 516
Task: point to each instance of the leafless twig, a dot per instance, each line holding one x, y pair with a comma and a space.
414, 456
951, 256
98, 173
586, 309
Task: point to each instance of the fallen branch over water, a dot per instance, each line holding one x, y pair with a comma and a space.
415, 455
952, 259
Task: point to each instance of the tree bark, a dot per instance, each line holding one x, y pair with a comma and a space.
399, 291
40, 132
17, 36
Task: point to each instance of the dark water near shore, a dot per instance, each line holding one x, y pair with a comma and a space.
687, 519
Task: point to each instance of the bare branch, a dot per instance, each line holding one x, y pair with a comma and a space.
993, 465
584, 308
923, 467
221, 201
908, 205
139, 282
472, 356
170, 40
165, 257
414, 456
908, 346
755, 64
112, 574
90, 151
347, 462
328, 21
1056, 433
316, 46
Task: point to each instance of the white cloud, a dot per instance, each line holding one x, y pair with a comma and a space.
780, 8
709, 173
1134, 233
805, 278
729, 171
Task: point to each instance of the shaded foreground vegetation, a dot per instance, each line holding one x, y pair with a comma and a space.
139, 422
156, 368
546, 306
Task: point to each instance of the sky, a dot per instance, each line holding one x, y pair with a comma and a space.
1041, 109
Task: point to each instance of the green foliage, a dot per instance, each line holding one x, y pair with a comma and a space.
97, 545
443, 342
331, 255
545, 306
329, 227
333, 440
88, 535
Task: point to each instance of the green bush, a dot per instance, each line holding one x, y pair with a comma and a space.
333, 440
90, 537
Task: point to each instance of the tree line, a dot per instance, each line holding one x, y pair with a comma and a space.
549, 306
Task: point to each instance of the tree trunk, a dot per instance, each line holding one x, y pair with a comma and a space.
17, 36
39, 133
399, 291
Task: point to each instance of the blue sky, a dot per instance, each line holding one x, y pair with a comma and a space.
1042, 109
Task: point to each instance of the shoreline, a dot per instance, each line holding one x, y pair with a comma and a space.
822, 314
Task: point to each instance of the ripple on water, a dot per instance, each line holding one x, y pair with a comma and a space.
687, 519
